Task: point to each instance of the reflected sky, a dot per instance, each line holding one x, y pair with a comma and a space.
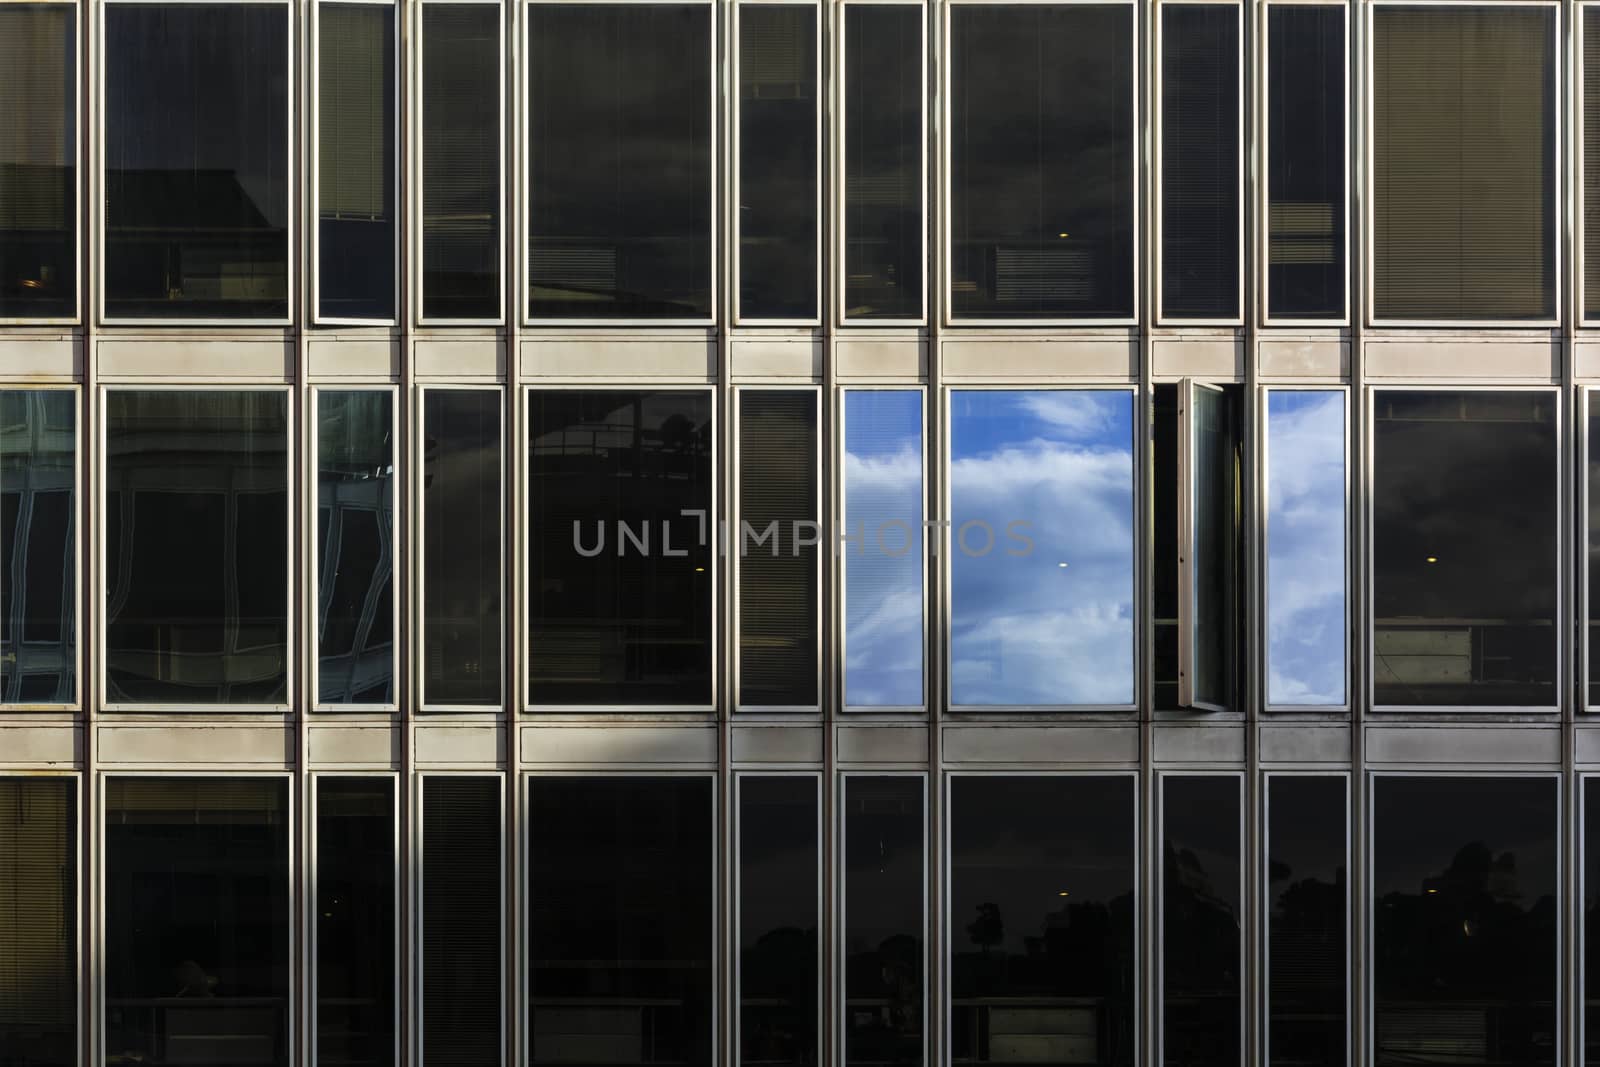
1049, 619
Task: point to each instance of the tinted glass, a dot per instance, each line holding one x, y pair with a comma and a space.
1211, 551
460, 118
619, 161
1464, 916
355, 916
620, 920
38, 537
882, 558
1041, 158
38, 168
1592, 538
1589, 918
883, 193
1042, 548
1164, 435
1042, 920
883, 922
196, 157
461, 928
620, 563
1308, 900
1465, 519
780, 900
1201, 912
1590, 88
38, 922
197, 921
197, 546
355, 161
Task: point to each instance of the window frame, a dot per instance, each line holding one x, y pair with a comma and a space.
1188, 514
1581, 13
1580, 932
1588, 397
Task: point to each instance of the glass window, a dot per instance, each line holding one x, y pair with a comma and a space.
1307, 527
38, 922
1589, 920
197, 546
780, 904
1041, 547
884, 920
1592, 539
1466, 879
38, 161
619, 161
196, 154
881, 552
621, 920
1305, 94
883, 173
460, 118
1464, 162
1043, 921
620, 564
460, 957
197, 921
461, 535
354, 906
355, 546
356, 161
38, 540
1041, 161
1465, 513
1590, 88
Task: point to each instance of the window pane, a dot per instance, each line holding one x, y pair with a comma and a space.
1305, 96
355, 537
1042, 547
197, 546
1042, 920
461, 576
1592, 538
38, 922
38, 162
779, 528
1308, 897
196, 157
620, 920
461, 161
780, 901
885, 886
461, 931
1463, 143
620, 566
1465, 518
1201, 909
1307, 662
356, 161
1465, 882
1212, 551
883, 564
197, 920
1591, 163
1589, 918
355, 909
38, 542
1041, 182
619, 161
883, 190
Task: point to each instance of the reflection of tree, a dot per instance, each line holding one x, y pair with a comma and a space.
779, 973
1200, 965
1306, 968
988, 929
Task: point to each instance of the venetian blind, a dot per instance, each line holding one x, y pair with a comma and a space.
352, 110
1591, 163
460, 136
38, 940
460, 920
35, 111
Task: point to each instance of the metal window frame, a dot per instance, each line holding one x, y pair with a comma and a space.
1579, 846
1588, 398
1581, 12
1188, 512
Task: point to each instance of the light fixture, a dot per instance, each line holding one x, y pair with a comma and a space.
1062, 893
1431, 559
699, 570
1063, 235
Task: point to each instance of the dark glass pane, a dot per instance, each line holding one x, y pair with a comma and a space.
1042, 920
620, 920
1465, 876
1465, 519
355, 555
38, 541
885, 885
1164, 544
461, 161
197, 921
619, 161
1308, 899
356, 931
1041, 158
461, 929
1305, 96
196, 158
1211, 553
38, 922
1592, 539
780, 903
1589, 918
1202, 1020
356, 161
1591, 165
620, 561
461, 569
38, 162
779, 531
197, 552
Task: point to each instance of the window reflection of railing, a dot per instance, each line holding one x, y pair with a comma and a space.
216, 1031
1463, 1031
1461, 657
609, 1030
1056, 1030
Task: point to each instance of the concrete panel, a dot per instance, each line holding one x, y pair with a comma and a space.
1457, 359
175, 745
1200, 358
45, 358
1464, 744
882, 744
482, 358
777, 744
1305, 359
878, 359
479, 744
1209, 743
620, 744
354, 744
1041, 744
1305, 744
776, 359
1586, 744
1010, 360
1586, 359
619, 358
365, 358
196, 359
40, 744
